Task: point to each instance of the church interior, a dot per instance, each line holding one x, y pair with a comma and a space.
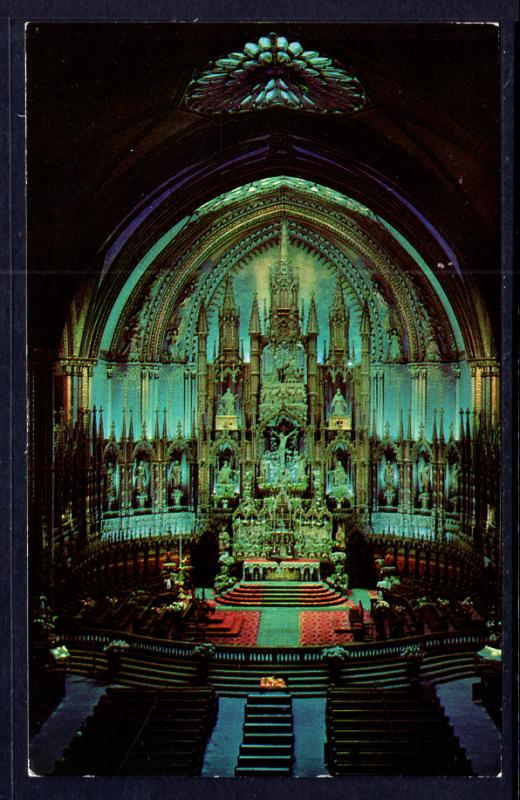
264, 400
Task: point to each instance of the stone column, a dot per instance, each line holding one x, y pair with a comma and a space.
419, 398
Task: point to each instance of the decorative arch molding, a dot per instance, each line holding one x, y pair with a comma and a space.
387, 445
188, 189
452, 453
222, 444
422, 446
340, 443
143, 448
232, 237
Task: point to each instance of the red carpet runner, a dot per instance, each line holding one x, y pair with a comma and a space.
324, 628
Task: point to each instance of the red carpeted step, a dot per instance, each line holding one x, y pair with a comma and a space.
242, 629
324, 628
228, 624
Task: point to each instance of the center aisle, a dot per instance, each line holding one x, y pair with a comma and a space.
309, 738
279, 627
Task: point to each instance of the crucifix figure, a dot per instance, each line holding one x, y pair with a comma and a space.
283, 440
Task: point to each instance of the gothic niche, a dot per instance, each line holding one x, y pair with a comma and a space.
423, 479
227, 417
340, 485
388, 478
111, 478
227, 477
452, 481
340, 404
177, 477
141, 477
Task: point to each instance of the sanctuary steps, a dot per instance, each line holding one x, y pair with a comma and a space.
267, 745
282, 594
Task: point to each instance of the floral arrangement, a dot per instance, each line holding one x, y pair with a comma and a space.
226, 560
420, 602
339, 579
116, 646
494, 628
336, 653
381, 605
223, 579
412, 653
223, 582
338, 559
340, 582
204, 650
46, 622
176, 606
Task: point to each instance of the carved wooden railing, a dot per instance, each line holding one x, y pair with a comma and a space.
445, 641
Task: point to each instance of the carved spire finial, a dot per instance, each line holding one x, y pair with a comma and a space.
312, 322
284, 245
254, 321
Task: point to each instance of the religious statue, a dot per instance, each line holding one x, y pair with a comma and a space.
141, 478
341, 487
170, 342
338, 407
455, 473
432, 348
454, 485
131, 335
225, 475
176, 482
339, 475
389, 475
424, 484
111, 482
141, 483
225, 483
389, 489
283, 439
176, 475
424, 477
227, 406
394, 346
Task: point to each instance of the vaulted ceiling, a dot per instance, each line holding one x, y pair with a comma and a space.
109, 133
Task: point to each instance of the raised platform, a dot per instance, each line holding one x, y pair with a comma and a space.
290, 569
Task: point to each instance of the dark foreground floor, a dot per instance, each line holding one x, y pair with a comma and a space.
471, 723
